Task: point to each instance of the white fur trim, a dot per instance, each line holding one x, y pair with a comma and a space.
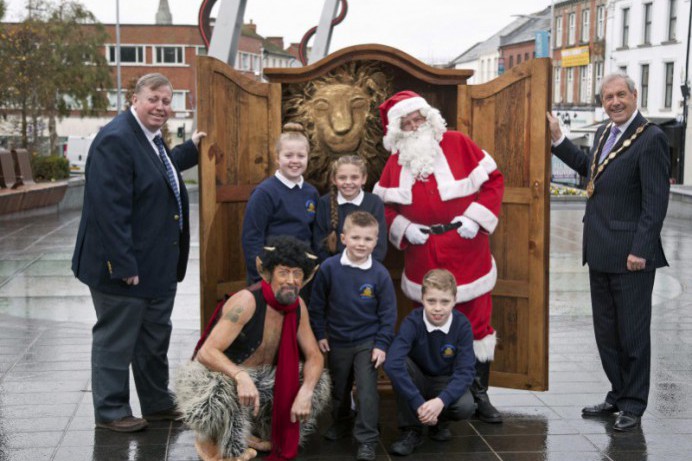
483, 216
485, 348
467, 292
488, 163
397, 230
405, 107
451, 188
401, 194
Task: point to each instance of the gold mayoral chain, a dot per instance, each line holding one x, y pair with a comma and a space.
625, 145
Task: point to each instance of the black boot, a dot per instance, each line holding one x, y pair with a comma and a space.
479, 389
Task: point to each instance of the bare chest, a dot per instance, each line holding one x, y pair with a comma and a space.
266, 352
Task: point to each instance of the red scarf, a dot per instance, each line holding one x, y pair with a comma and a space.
285, 434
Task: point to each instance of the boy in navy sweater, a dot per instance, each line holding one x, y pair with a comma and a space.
431, 364
353, 312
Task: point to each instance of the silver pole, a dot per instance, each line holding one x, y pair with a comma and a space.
117, 54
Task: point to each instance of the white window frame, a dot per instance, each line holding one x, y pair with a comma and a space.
648, 22
600, 22
179, 101
558, 31
585, 84
668, 85
599, 75
644, 85
569, 97
672, 20
141, 52
179, 55
556, 85
571, 28
585, 25
625, 37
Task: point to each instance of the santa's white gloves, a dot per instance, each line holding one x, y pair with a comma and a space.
414, 234
469, 227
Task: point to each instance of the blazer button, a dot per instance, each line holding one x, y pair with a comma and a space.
176, 217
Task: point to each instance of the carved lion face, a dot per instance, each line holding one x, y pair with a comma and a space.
339, 112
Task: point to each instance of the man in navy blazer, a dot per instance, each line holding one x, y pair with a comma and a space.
628, 171
132, 250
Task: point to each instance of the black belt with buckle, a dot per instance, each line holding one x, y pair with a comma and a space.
437, 229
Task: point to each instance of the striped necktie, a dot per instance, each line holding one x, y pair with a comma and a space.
170, 173
610, 142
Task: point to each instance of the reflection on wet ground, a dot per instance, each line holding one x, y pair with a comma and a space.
45, 400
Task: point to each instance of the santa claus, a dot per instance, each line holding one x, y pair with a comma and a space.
442, 196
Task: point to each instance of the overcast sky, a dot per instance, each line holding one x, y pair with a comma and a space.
431, 30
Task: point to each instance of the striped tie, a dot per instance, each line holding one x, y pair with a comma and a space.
610, 142
170, 173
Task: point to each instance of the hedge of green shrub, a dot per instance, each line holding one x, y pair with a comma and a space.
50, 168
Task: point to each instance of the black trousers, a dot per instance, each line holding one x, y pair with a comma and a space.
430, 387
621, 306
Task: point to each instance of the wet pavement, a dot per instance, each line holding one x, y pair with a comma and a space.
45, 400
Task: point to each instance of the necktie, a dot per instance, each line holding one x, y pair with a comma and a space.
170, 173
610, 142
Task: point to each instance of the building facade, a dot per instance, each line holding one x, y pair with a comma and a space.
647, 40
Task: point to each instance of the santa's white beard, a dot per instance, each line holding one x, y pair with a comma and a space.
418, 150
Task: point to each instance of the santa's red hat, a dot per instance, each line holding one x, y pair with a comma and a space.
400, 105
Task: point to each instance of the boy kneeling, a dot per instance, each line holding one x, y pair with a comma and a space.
431, 365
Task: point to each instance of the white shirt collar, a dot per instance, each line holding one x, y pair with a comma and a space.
443, 328
149, 134
346, 261
340, 199
287, 182
626, 125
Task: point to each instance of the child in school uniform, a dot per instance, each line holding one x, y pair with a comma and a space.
431, 365
348, 174
353, 313
283, 204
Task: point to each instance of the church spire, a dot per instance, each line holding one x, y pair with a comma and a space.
163, 15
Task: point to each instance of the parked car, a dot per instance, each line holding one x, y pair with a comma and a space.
76, 150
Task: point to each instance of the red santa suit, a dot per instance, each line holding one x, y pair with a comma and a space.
465, 182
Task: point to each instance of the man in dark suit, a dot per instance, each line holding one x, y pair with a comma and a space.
628, 170
132, 249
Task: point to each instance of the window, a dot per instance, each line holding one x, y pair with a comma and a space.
623, 69
178, 101
668, 98
600, 22
570, 85
511, 62
585, 24
518, 59
558, 31
585, 84
169, 55
644, 87
129, 54
647, 24
625, 27
672, 19
556, 85
201, 51
571, 28
113, 100
526, 56
599, 75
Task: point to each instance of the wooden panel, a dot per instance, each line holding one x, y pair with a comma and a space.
242, 118
506, 117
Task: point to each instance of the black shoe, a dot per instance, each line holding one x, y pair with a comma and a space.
627, 421
408, 442
366, 452
338, 431
440, 432
601, 409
